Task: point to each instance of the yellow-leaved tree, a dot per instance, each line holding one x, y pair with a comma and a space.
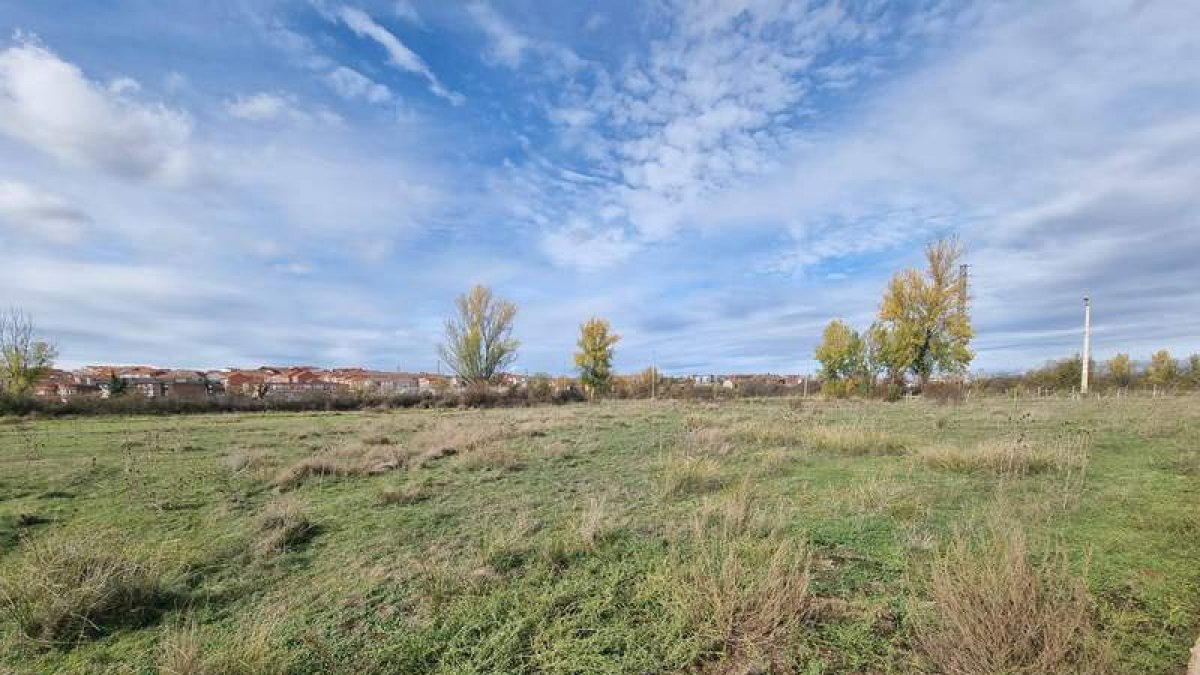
1120, 370
24, 359
595, 355
924, 322
479, 343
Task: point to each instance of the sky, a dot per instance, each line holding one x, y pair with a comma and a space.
313, 182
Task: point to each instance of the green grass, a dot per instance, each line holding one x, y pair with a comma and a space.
616, 537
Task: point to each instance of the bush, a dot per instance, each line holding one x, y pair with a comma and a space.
64, 590
995, 609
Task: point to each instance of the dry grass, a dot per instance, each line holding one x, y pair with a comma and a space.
67, 589
852, 440
707, 440
598, 522
684, 475
283, 526
490, 457
251, 650
240, 460
1009, 458
743, 595
354, 459
996, 609
454, 436
410, 493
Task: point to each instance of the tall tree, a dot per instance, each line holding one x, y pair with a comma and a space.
595, 355
926, 316
479, 343
1120, 370
1163, 369
842, 352
24, 359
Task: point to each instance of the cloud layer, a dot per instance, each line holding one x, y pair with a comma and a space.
719, 178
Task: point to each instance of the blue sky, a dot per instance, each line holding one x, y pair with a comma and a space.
259, 181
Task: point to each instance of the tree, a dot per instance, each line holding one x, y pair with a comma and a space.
24, 359
116, 385
842, 352
1193, 371
594, 358
479, 342
885, 354
1163, 369
925, 314
1120, 370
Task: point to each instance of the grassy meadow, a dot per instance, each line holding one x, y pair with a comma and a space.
997, 536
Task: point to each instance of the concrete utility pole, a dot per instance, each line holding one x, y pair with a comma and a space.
1087, 344
653, 375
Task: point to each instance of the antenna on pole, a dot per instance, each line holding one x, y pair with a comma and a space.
1087, 344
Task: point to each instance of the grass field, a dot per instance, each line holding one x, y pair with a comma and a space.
754, 536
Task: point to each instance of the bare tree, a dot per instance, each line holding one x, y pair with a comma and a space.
24, 359
479, 342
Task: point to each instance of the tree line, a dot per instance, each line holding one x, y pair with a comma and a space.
922, 329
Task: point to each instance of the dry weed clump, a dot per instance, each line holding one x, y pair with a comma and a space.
491, 457
283, 526
852, 440
404, 495
454, 436
597, 522
1010, 457
684, 475
997, 609
241, 460
250, 650
353, 459
65, 589
743, 594
706, 441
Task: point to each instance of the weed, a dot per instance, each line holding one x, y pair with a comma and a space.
997, 610
68, 589
283, 526
690, 475
743, 596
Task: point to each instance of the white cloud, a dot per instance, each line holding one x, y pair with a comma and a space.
587, 248
508, 46
351, 84
399, 55
260, 107
405, 10
30, 212
49, 104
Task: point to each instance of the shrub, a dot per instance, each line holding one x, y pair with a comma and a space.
63, 590
996, 609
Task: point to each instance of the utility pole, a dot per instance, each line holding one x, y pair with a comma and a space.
653, 375
1087, 344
